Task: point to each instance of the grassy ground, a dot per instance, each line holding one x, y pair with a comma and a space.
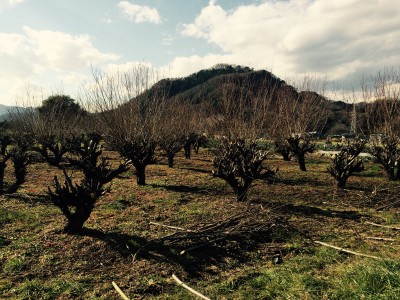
37, 261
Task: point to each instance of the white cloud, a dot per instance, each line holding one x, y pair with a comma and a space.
43, 56
184, 66
15, 2
138, 13
63, 52
107, 19
167, 39
341, 38
4, 4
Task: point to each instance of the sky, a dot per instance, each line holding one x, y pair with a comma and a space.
52, 46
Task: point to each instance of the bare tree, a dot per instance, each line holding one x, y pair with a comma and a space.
200, 115
382, 94
297, 116
175, 120
130, 113
52, 125
21, 157
77, 200
239, 163
5, 155
241, 121
346, 162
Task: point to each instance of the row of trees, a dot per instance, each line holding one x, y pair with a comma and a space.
135, 117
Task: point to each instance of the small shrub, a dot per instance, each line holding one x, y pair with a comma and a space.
172, 145
77, 201
21, 158
346, 162
388, 155
5, 155
239, 163
299, 147
140, 153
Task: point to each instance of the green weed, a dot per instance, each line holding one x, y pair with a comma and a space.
14, 265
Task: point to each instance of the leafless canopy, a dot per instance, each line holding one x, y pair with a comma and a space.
129, 111
382, 94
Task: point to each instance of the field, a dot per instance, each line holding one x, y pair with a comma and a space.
124, 240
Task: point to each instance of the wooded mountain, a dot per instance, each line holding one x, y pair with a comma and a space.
206, 85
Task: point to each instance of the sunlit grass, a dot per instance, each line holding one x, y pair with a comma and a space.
39, 262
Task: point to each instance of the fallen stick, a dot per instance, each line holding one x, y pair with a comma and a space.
388, 205
189, 288
171, 227
379, 238
200, 245
120, 292
384, 226
346, 251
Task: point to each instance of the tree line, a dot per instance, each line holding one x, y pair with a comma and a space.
253, 119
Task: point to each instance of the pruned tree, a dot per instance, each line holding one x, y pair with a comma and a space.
241, 121
239, 163
346, 162
175, 120
77, 200
21, 157
140, 152
300, 146
283, 148
387, 153
382, 94
130, 113
297, 113
52, 125
5, 155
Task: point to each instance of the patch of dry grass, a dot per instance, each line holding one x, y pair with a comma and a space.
39, 262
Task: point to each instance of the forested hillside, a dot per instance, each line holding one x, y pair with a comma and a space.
205, 86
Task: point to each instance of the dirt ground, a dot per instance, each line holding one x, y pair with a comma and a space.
126, 238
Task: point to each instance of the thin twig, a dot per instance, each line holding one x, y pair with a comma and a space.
189, 288
171, 227
346, 251
200, 245
391, 204
384, 226
379, 238
120, 292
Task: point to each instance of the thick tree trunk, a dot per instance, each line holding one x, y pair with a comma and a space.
341, 183
171, 160
242, 193
187, 148
2, 168
56, 160
76, 221
390, 172
140, 174
196, 148
20, 172
302, 162
286, 155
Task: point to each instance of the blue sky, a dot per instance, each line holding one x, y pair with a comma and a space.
50, 46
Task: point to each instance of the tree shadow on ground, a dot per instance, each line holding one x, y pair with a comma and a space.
196, 170
299, 182
183, 189
310, 211
194, 262
30, 199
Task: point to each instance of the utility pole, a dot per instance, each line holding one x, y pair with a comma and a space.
353, 125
